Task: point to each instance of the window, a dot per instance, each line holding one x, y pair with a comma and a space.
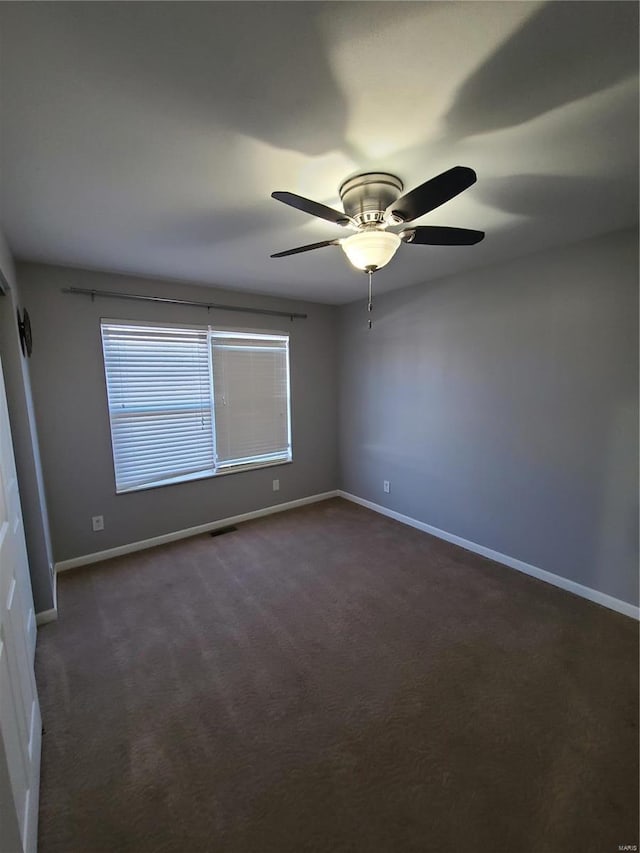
190, 402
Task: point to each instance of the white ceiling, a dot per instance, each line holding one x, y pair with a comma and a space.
147, 137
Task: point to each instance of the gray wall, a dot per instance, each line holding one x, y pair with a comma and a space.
71, 410
503, 407
25, 439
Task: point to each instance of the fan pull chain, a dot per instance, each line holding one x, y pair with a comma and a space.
370, 304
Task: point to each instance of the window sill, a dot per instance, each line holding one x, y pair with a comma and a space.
202, 475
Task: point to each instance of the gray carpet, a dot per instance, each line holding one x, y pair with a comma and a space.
328, 679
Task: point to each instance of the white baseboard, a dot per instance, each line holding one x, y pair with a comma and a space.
141, 545
557, 580
45, 616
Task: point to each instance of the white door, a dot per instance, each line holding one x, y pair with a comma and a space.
20, 724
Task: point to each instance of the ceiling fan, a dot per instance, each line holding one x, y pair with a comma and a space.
372, 204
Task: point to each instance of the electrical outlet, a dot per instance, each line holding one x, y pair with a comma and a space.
276, 485
97, 522
386, 485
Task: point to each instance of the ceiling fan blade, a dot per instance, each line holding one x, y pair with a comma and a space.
306, 248
432, 194
306, 205
434, 235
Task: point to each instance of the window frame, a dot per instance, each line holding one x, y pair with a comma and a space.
211, 331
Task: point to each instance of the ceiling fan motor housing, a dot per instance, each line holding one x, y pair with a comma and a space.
366, 196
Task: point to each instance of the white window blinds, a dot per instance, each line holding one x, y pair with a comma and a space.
193, 402
251, 398
159, 394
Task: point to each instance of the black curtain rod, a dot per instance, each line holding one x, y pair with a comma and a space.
115, 294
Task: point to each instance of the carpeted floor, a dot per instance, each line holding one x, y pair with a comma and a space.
328, 679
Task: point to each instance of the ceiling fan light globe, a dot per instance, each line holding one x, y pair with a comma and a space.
370, 249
